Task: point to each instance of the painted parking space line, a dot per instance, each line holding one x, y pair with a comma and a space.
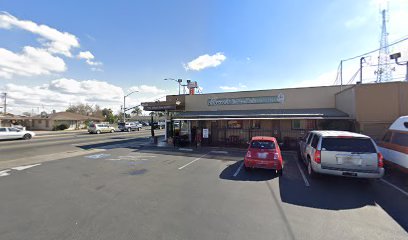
307, 184
239, 169
394, 186
222, 152
25, 167
195, 160
185, 149
4, 173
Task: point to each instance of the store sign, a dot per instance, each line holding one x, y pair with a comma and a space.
159, 108
280, 98
205, 133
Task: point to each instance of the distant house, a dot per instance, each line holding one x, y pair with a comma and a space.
51, 122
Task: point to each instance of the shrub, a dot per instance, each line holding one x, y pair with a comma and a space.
61, 127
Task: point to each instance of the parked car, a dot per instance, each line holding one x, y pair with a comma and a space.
264, 152
394, 145
130, 126
15, 133
100, 128
341, 153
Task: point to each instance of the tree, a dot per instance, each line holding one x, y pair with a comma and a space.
28, 114
86, 110
83, 109
137, 111
108, 115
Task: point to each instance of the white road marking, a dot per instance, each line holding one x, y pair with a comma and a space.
239, 169
186, 149
139, 157
303, 175
223, 152
97, 156
392, 185
4, 173
25, 167
192, 161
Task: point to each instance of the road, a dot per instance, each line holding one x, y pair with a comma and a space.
63, 143
133, 190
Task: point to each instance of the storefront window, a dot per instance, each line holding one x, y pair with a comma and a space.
255, 124
234, 124
184, 128
296, 124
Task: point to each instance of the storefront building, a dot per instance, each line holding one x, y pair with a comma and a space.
233, 118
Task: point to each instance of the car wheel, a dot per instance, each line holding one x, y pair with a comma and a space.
27, 136
280, 172
112, 131
98, 132
247, 169
310, 171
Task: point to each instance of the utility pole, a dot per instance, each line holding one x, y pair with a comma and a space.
341, 75
124, 108
361, 69
5, 104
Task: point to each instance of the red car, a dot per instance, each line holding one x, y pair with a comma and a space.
264, 152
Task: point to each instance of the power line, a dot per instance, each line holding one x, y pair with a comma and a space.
373, 51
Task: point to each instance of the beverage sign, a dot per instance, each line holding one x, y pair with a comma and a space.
280, 98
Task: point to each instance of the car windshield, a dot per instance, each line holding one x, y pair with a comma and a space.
364, 145
262, 144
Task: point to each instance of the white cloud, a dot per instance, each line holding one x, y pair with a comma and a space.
240, 87
205, 61
30, 62
356, 22
34, 61
147, 89
57, 42
60, 93
228, 88
85, 55
88, 56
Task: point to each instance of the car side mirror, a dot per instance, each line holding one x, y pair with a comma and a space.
247, 142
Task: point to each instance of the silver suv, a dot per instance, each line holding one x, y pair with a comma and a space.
130, 126
341, 153
100, 128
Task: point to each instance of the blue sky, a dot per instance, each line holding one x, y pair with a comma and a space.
136, 44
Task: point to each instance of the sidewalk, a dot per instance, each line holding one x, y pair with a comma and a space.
45, 133
161, 143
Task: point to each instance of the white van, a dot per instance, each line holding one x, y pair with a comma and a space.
394, 145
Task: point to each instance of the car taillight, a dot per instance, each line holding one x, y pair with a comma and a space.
380, 160
317, 156
249, 154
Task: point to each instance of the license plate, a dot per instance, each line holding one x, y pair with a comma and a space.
350, 174
262, 155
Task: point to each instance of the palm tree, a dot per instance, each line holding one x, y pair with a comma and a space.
137, 111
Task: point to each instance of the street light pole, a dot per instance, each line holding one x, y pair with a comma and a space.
179, 81
395, 56
124, 105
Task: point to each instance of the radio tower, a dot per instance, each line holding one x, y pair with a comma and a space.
384, 71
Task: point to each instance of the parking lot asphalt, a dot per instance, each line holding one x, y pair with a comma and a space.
131, 190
